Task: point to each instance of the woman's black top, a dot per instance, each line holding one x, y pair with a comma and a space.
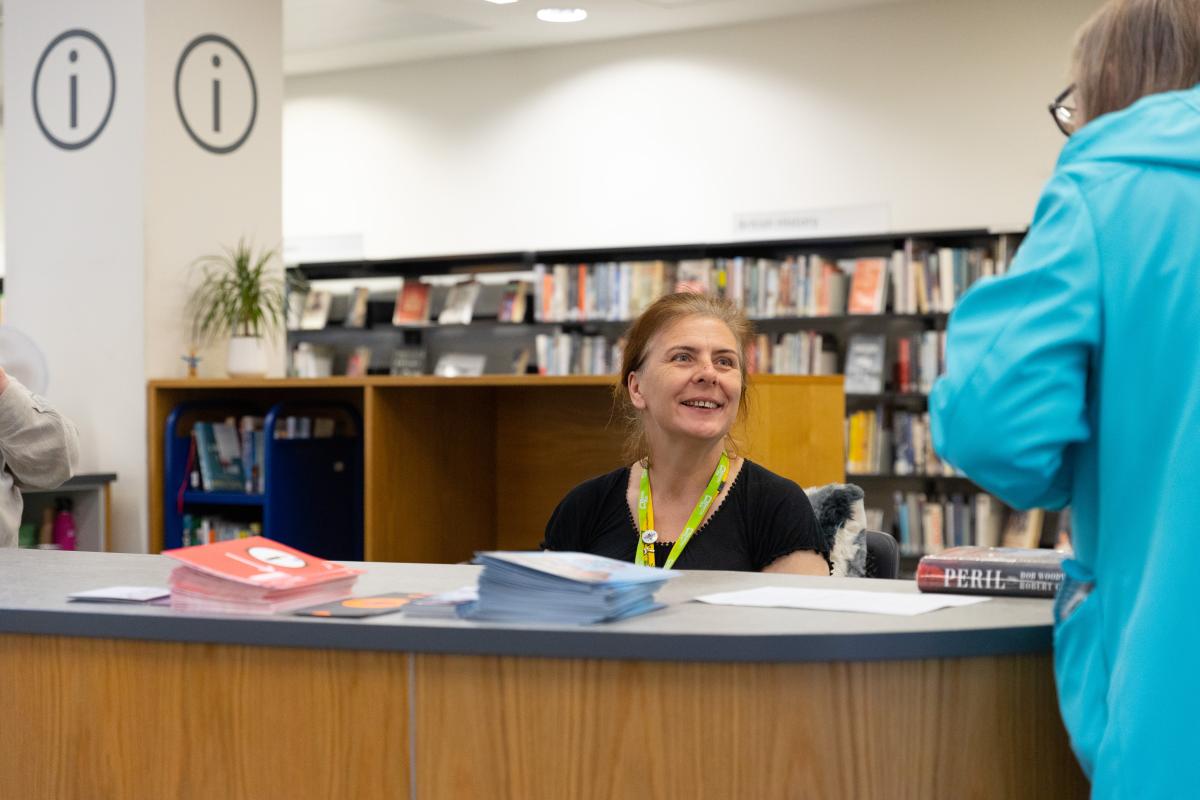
764, 516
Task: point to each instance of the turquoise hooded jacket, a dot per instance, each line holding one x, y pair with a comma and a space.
1075, 379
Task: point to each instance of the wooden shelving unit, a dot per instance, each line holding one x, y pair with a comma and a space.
452, 466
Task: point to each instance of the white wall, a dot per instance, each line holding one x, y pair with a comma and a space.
937, 110
198, 202
100, 239
74, 223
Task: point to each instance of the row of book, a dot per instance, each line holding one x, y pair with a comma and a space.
229, 456
800, 353
211, 528
904, 448
910, 281
561, 353
413, 305
933, 281
927, 524
919, 359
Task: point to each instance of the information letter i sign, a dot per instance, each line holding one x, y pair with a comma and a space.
215, 93
74, 89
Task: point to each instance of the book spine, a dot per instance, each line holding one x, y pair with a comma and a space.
961, 576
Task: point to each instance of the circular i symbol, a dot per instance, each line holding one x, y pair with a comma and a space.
74, 99
214, 140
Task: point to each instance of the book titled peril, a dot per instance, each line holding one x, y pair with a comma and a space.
1019, 571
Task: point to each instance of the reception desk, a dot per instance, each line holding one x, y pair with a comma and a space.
105, 701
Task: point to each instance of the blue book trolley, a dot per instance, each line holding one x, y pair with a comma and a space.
313, 488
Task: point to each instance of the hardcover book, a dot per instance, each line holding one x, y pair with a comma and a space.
1019, 571
1023, 528
359, 362
460, 304
357, 316
868, 286
412, 303
864, 364
408, 360
218, 452
512, 302
316, 310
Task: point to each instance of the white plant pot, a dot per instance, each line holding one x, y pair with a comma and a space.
247, 357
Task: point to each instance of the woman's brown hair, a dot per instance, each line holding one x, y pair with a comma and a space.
662, 313
1133, 48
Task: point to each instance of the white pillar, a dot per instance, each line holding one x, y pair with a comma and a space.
148, 136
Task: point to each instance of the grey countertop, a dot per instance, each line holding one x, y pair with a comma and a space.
34, 585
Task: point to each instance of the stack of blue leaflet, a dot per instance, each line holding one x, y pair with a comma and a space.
566, 588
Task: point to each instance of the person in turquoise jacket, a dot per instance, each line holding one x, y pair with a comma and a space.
1075, 379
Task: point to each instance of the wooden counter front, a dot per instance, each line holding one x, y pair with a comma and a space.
694, 701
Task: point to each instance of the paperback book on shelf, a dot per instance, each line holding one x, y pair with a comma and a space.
412, 303
1019, 571
356, 316
566, 588
315, 313
254, 575
868, 286
219, 455
864, 364
460, 304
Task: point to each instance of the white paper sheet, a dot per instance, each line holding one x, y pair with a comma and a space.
121, 594
896, 603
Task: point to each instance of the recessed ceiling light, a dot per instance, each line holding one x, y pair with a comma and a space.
562, 15
501, 2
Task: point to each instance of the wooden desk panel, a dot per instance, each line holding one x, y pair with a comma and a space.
102, 718
797, 430
980, 728
548, 440
430, 489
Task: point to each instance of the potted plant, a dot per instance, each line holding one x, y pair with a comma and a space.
238, 297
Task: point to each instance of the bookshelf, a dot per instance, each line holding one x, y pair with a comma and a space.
451, 466
948, 261
310, 494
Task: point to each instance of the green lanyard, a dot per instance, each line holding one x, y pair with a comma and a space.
648, 536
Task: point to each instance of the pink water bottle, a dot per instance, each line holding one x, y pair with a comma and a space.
64, 525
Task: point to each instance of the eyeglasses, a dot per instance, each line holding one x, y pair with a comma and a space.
1064, 115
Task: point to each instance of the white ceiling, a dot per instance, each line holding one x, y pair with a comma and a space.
326, 35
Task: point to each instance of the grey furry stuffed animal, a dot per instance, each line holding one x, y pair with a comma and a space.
839, 510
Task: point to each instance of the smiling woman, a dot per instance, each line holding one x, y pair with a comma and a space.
688, 499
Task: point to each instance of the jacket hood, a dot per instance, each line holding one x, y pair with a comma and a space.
1159, 129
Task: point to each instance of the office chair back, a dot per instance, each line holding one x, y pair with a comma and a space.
883, 555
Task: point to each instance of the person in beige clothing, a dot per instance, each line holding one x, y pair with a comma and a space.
39, 449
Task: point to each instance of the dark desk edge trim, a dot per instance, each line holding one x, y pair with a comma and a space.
585, 642
87, 481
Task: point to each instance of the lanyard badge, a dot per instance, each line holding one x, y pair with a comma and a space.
648, 535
